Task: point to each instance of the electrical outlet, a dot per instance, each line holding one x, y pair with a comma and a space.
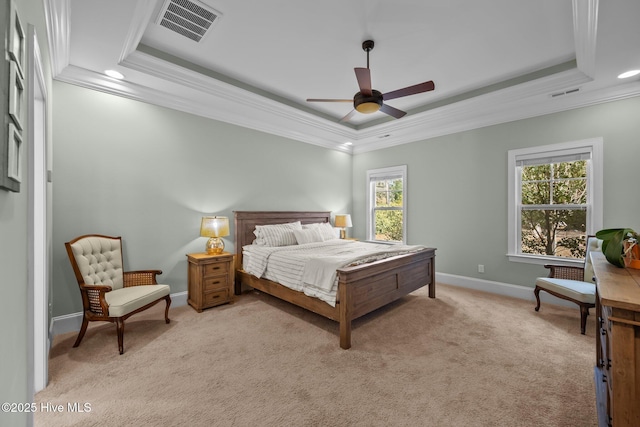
480, 268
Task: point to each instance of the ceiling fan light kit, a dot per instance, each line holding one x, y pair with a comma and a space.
369, 100
367, 104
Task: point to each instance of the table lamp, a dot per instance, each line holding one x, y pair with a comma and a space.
342, 221
214, 227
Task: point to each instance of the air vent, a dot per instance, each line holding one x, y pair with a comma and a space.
566, 92
188, 18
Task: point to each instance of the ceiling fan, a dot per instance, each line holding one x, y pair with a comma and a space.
369, 100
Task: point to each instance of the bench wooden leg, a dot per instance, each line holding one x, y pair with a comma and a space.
584, 312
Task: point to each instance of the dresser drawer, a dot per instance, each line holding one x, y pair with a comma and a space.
215, 283
215, 269
216, 297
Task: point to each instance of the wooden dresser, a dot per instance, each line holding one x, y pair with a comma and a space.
210, 280
617, 372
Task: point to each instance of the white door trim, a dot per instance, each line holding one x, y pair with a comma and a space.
37, 215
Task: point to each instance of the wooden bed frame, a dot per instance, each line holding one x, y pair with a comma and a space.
361, 289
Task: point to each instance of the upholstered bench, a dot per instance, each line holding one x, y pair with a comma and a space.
573, 284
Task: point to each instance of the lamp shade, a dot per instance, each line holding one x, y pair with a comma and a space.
214, 226
343, 220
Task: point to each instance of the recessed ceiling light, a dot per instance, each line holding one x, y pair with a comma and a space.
629, 74
348, 143
114, 74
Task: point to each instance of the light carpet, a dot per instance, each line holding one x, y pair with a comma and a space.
466, 358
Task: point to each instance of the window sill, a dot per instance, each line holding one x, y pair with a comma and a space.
542, 260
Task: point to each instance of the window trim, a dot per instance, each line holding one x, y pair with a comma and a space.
594, 195
400, 171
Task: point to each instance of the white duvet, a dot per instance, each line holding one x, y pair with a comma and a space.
311, 268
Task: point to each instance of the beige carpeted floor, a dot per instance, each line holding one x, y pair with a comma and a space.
467, 358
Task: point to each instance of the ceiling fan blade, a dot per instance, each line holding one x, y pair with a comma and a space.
348, 116
328, 100
410, 90
394, 112
364, 80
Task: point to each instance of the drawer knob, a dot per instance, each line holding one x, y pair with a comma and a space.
605, 363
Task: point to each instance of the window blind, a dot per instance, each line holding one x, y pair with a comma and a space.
557, 156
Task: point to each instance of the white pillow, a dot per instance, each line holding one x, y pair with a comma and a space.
308, 235
326, 230
276, 234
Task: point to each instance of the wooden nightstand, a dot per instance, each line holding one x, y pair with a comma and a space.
210, 280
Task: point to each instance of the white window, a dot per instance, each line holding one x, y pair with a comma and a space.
386, 204
555, 201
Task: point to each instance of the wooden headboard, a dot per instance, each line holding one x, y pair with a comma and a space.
245, 223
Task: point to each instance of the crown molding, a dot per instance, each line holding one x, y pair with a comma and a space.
205, 101
449, 121
585, 29
476, 112
57, 14
139, 21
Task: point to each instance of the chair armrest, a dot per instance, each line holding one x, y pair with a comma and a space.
140, 277
95, 300
565, 272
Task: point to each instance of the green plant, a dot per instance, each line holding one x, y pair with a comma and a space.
613, 243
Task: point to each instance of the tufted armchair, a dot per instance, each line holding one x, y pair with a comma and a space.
108, 293
573, 284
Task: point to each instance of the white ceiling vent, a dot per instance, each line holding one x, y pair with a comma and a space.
566, 92
188, 18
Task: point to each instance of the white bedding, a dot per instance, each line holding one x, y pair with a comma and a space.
311, 267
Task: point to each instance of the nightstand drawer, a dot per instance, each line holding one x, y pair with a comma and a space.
215, 283
215, 269
216, 297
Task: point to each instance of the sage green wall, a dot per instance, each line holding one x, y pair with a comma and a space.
16, 377
457, 185
148, 174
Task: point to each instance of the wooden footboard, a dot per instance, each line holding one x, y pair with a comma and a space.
361, 289
365, 288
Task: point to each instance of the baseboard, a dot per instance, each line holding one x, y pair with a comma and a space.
72, 322
506, 289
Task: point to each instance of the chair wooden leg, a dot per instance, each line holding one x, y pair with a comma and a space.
584, 312
120, 329
536, 292
83, 329
166, 310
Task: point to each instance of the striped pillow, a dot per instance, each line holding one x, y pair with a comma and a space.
308, 235
326, 230
276, 234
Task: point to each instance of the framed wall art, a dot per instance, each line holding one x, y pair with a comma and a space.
14, 163
12, 97
16, 90
17, 45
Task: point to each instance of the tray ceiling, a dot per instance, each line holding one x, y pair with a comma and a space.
256, 62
